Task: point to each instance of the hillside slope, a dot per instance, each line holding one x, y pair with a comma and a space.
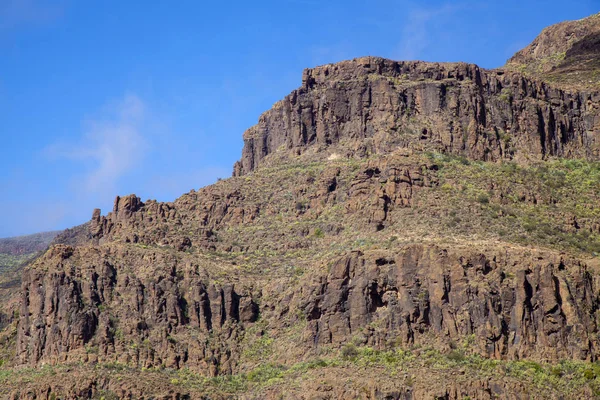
397, 230
15, 254
565, 54
15, 250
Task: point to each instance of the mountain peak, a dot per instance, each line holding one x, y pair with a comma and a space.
565, 54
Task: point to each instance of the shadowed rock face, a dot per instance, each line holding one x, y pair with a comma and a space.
324, 237
426, 292
89, 303
515, 306
376, 106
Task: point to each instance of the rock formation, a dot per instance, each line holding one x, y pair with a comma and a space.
376, 106
397, 230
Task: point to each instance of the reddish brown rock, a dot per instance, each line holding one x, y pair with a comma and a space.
537, 310
374, 106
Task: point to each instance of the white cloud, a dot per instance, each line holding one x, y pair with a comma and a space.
14, 13
415, 34
111, 146
173, 185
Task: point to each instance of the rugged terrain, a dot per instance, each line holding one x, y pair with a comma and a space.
393, 230
565, 55
15, 254
19, 250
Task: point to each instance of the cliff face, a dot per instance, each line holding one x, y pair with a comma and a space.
107, 312
515, 307
376, 106
535, 311
397, 230
97, 307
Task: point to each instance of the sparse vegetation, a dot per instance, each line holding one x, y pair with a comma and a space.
526, 199
567, 378
506, 95
353, 256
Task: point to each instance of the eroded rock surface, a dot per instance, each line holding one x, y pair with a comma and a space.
515, 307
374, 106
369, 212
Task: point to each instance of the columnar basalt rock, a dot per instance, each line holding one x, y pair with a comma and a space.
372, 106
88, 309
339, 228
513, 306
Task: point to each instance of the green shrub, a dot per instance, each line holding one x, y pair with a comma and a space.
265, 373
349, 352
589, 374
456, 356
557, 371
506, 95
483, 199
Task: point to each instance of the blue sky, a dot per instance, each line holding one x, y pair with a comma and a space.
99, 98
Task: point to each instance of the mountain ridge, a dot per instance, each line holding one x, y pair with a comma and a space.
565, 54
485, 114
395, 230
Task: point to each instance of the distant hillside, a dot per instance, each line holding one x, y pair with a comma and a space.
20, 245
19, 249
15, 253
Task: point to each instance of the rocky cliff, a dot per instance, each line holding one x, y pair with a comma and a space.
516, 307
397, 230
375, 106
15, 254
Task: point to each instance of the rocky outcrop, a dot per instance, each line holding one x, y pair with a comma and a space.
511, 306
89, 308
566, 54
374, 106
345, 228
381, 187
90, 387
132, 221
559, 38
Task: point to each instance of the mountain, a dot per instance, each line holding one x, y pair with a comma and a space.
393, 230
24, 245
564, 54
15, 253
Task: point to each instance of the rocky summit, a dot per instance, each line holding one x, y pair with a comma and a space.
393, 230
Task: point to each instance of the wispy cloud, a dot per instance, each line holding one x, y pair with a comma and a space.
321, 55
111, 146
172, 185
14, 13
416, 33
26, 217
126, 148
